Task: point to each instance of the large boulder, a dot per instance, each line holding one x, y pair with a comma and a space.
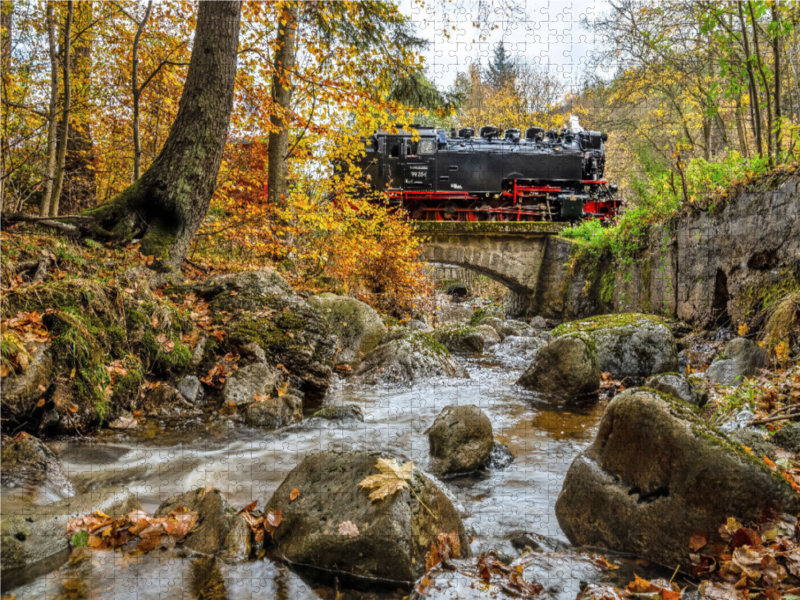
275, 411
335, 529
219, 530
628, 345
739, 358
35, 541
459, 339
565, 369
261, 313
461, 440
32, 470
357, 325
490, 335
680, 387
250, 383
655, 475
407, 356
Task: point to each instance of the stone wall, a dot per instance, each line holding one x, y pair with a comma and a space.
708, 267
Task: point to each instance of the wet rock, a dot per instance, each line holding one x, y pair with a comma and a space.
249, 383
267, 312
495, 323
519, 350
499, 458
219, 531
165, 402
21, 391
274, 412
565, 369
407, 356
417, 325
515, 328
538, 322
628, 344
36, 542
357, 325
461, 440
490, 336
344, 412
655, 475
739, 358
30, 468
395, 534
679, 387
788, 437
191, 389
459, 339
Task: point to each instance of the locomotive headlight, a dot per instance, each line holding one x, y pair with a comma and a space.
427, 147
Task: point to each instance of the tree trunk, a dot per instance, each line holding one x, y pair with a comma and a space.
754, 104
80, 183
278, 148
776, 57
44, 208
760, 65
168, 203
6, 26
137, 142
61, 150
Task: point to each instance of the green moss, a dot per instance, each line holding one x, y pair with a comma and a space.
158, 241
607, 287
420, 341
127, 387
477, 316
174, 362
601, 322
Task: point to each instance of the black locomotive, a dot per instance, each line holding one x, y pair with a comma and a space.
554, 175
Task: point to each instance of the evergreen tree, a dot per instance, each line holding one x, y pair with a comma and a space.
502, 72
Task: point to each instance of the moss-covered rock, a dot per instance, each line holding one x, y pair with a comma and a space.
344, 412
357, 325
565, 369
656, 474
405, 356
460, 339
629, 344
259, 307
394, 534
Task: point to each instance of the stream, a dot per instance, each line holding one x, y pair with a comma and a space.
247, 464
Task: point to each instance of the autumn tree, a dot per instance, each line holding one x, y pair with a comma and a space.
167, 205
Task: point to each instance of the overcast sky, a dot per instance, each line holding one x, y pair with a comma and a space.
549, 34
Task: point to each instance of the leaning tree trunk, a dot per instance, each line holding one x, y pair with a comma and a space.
167, 205
52, 126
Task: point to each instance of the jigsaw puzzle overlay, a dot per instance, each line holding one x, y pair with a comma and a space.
594, 398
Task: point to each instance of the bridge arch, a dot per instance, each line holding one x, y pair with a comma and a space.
511, 253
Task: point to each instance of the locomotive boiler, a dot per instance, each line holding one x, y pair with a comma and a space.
535, 175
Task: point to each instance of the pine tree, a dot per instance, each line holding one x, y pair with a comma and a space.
502, 72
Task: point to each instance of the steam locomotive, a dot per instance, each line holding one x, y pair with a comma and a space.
554, 175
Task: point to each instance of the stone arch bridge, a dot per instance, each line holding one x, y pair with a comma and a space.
527, 257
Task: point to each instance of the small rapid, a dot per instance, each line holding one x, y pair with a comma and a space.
498, 506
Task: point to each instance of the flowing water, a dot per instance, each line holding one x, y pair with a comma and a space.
249, 464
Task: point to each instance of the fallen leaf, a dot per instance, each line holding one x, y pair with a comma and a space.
249, 507
698, 540
348, 529
294, 495
392, 479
